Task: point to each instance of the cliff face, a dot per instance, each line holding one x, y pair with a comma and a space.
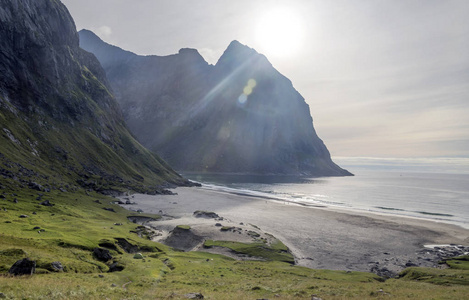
58, 117
239, 116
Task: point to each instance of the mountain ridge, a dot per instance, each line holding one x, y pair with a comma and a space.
203, 118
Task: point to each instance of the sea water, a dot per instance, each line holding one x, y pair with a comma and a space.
438, 197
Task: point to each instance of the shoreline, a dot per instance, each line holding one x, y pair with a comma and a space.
337, 208
318, 237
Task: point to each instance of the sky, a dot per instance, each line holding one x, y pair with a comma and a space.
384, 79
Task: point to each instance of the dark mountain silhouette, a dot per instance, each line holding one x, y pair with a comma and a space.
239, 116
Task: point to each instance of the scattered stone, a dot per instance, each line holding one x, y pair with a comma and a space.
113, 285
139, 211
118, 224
101, 276
315, 297
205, 214
2, 296
46, 203
35, 186
24, 216
23, 266
410, 264
218, 224
62, 190
109, 209
194, 296
34, 213
57, 266
102, 254
2, 197
37, 228
15, 200
97, 201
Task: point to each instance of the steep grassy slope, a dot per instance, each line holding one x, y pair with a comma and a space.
59, 123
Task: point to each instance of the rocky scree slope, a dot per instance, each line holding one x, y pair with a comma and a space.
239, 116
59, 122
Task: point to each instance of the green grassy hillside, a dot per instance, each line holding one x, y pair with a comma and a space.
77, 223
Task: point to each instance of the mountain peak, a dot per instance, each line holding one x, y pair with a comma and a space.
89, 34
238, 53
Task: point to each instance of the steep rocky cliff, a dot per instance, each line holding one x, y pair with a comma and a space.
239, 116
59, 122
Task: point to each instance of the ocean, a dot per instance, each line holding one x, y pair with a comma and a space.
439, 197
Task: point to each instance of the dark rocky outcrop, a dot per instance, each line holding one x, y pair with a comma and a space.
23, 266
127, 246
116, 267
59, 116
239, 116
102, 254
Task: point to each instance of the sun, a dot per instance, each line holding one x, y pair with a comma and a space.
279, 32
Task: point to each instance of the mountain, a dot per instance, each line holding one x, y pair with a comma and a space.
238, 116
60, 125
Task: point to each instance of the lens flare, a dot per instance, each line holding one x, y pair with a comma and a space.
243, 98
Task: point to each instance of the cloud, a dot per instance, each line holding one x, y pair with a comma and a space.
457, 165
104, 32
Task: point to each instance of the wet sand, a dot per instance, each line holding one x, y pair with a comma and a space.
319, 237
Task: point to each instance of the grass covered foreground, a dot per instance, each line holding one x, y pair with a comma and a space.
77, 223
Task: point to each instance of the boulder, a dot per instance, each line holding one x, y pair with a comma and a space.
57, 266
46, 203
138, 256
35, 186
205, 214
23, 266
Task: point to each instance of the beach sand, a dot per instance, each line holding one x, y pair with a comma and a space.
318, 237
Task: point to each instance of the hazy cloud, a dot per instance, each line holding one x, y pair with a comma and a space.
104, 32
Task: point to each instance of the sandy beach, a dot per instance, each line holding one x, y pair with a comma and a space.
318, 237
